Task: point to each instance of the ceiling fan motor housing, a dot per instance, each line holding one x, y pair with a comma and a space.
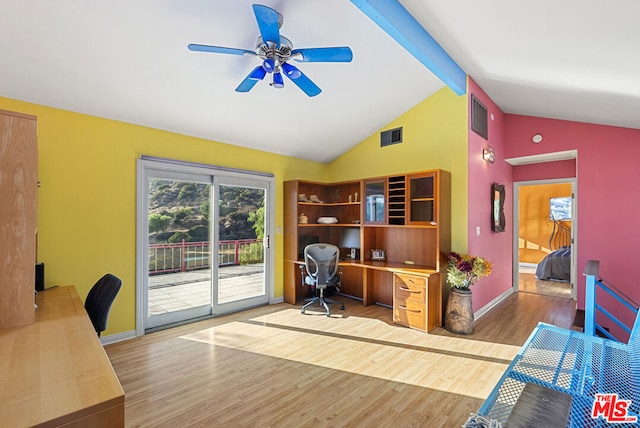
278, 54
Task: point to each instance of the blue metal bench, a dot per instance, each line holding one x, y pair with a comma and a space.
578, 364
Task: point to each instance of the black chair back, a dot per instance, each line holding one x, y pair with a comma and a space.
99, 301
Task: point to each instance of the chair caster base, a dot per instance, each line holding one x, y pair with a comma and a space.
324, 303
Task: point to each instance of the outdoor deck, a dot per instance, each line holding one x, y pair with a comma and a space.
183, 290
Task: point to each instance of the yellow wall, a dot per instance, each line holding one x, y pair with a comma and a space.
87, 201
534, 225
87, 166
435, 136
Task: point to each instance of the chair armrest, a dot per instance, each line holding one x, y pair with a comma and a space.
302, 274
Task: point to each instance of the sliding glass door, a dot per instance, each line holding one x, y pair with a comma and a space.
203, 243
242, 243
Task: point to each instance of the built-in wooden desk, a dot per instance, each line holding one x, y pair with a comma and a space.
374, 288
386, 282
55, 372
406, 215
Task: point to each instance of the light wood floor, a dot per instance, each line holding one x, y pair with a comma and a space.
274, 367
528, 283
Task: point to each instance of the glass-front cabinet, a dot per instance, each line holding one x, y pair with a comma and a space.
422, 199
374, 201
401, 200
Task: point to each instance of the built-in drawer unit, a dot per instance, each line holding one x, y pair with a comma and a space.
409, 301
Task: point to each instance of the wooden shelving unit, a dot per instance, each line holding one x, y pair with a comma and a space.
411, 224
397, 193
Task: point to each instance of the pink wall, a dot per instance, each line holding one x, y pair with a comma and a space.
608, 187
495, 247
545, 170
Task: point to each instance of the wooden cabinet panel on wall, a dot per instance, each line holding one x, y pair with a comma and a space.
18, 186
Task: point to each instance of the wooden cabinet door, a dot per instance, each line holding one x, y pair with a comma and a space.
375, 201
422, 198
18, 183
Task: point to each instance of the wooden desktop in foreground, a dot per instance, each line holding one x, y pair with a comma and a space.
55, 372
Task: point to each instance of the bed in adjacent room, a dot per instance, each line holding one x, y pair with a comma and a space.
556, 266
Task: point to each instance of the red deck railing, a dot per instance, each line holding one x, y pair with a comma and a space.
185, 256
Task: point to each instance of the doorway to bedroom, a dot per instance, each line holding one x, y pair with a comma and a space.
544, 226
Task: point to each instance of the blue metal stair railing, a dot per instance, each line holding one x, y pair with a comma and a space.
593, 283
581, 364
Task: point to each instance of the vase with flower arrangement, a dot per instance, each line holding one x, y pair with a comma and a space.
463, 271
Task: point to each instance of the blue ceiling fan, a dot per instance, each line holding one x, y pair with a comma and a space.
276, 51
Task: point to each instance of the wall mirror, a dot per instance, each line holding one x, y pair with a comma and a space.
497, 206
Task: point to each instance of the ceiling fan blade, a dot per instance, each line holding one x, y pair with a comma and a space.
268, 22
336, 54
219, 49
249, 82
306, 85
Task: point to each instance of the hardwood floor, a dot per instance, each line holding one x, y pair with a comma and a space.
272, 366
527, 282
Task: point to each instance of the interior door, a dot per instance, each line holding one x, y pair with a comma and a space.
532, 200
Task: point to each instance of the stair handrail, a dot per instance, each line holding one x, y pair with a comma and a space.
593, 281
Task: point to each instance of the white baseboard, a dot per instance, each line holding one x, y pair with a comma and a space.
118, 337
528, 265
486, 308
126, 335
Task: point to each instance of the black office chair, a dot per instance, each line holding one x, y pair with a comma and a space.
320, 271
99, 301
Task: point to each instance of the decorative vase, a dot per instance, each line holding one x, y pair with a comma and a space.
458, 317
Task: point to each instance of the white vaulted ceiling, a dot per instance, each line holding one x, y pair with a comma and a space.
128, 61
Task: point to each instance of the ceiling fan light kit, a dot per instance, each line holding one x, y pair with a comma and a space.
258, 73
275, 51
291, 71
278, 81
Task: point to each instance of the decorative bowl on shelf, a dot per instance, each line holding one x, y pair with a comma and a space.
327, 220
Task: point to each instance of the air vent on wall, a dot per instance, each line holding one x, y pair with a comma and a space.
391, 136
479, 118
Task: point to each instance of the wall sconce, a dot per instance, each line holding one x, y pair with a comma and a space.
488, 154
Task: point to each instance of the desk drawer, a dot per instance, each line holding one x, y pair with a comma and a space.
410, 314
409, 287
